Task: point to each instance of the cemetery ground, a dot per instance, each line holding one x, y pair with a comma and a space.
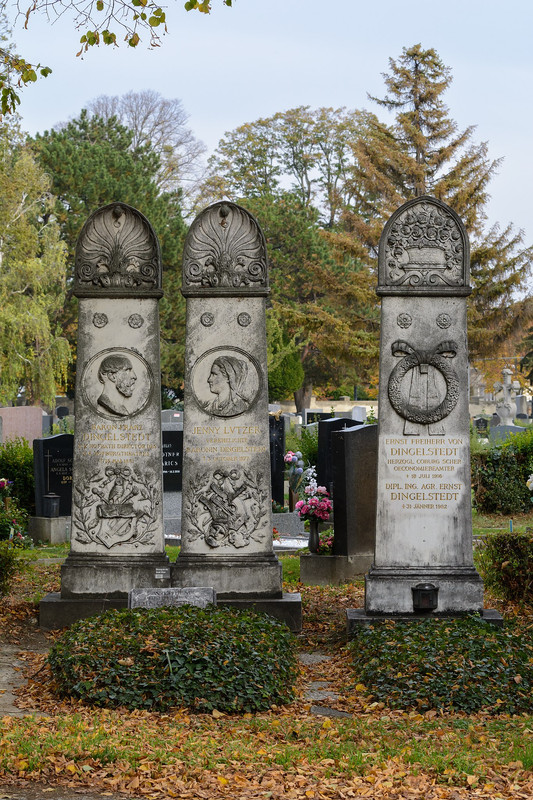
334, 741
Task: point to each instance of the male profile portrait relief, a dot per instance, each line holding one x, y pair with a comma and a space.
118, 378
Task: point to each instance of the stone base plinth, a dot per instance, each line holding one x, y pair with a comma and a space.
247, 576
355, 617
112, 577
60, 612
53, 530
388, 590
318, 570
287, 608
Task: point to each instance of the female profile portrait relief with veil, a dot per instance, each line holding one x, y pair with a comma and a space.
227, 382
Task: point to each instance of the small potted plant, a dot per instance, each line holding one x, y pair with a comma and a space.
316, 507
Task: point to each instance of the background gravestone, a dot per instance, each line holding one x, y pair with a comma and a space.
424, 515
52, 467
277, 453
326, 427
172, 437
117, 541
226, 533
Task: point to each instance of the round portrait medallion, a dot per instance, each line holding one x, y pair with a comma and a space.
117, 383
226, 381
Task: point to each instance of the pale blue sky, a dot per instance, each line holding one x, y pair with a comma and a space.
263, 56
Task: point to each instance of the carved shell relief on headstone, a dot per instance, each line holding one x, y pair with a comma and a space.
225, 250
117, 253
425, 246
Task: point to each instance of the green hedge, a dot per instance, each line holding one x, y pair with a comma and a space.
16, 464
506, 564
499, 476
456, 665
214, 658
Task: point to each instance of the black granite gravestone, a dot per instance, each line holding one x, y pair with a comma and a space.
52, 466
316, 416
355, 470
325, 429
277, 464
172, 460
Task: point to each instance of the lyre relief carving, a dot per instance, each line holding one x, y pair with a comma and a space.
117, 250
225, 249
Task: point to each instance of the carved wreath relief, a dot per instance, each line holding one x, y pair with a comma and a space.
424, 247
116, 506
225, 381
117, 249
225, 507
117, 383
224, 249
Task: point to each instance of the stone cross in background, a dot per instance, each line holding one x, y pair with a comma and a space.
424, 517
117, 540
226, 532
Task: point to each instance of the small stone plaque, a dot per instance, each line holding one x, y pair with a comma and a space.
162, 573
200, 596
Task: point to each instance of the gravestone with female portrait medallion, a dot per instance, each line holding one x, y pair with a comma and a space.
117, 541
226, 529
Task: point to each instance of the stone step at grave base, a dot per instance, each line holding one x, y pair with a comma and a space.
331, 570
89, 575
256, 575
61, 612
355, 617
287, 608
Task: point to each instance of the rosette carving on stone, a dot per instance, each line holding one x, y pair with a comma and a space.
117, 252
225, 251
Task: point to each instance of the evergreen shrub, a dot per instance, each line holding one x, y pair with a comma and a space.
506, 564
456, 665
205, 659
8, 567
499, 476
16, 464
12, 519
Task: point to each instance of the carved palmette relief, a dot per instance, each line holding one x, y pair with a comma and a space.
225, 507
117, 251
424, 247
411, 387
224, 250
117, 505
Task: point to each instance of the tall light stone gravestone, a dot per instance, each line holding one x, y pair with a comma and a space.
424, 555
117, 540
226, 533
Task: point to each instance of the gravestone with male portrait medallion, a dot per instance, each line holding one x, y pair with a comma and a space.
117, 540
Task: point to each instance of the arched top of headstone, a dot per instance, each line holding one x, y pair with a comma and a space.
117, 255
424, 250
225, 254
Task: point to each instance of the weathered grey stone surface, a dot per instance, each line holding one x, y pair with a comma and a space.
117, 540
54, 530
200, 596
226, 514
424, 522
289, 523
317, 570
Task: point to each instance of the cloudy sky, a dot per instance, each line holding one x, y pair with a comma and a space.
264, 56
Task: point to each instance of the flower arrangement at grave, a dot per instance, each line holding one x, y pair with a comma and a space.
529, 484
325, 544
5, 488
295, 467
315, 507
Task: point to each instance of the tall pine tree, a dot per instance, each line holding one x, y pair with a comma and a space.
423, 152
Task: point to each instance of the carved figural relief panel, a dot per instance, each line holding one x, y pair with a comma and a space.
424, 246
226, 381
117, 383
117, 251
224, 250
226, 507
117, 505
